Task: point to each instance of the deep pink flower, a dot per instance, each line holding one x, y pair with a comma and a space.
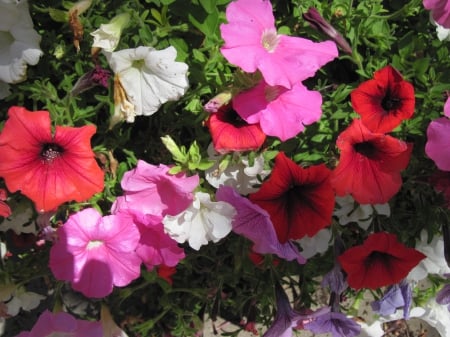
5, 210
152, 190
440, 11
94, 252
438, 140
63, 324
281, 112
252, 43
50, 169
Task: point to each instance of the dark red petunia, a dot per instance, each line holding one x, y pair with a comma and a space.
50, 169
380, 261
385, 101
300, 201
229, 132
369, 165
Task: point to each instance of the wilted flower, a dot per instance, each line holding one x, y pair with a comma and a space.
20, 43
108, 35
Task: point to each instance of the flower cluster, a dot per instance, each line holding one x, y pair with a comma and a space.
267, 162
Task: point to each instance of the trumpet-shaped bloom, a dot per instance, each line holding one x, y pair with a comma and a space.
396, 296
50, 169
94, 252
380, 261
300, 201
63, 324
202, 222
369, 165
107, 36
149, 77
335, 323
438, 138
252, 222
384, 101
440, 11
152, 190
252, 43
19, 42
280, 112
229, 132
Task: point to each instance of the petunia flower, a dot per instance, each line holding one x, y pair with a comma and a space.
440, 180
384, 101
63, 324
380, 261
218, 101
149, 77
440, 11
20, 42
369, 164
17, 298
5, 210
152, 190
252, 43
254, 223
229, 132
201, 222
317, 244
438, 138
50, 169
349, 211
95, 253
95, 77
238, 173
396, 296
335, 323
300, 201
279, 111
108, 35
443, 295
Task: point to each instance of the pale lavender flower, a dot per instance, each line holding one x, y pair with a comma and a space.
335, 280
443, 296
396, 296
336, 323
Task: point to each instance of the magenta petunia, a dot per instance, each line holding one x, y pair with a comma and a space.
440, 11
152, 190
94, 252
63, 324
252, 222
438, 140
281, 112
252, 43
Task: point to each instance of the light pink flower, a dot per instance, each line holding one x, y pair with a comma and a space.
437, 146
63, 324
252, 43
152, 190
280, 112
94, 252
440, 11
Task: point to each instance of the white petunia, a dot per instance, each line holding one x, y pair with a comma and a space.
434, 263
19, 42
149, 77
18, 298
203, 221
349, 211
107, 36
318, 244
238, 173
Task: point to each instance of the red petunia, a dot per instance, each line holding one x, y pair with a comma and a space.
229, 132
50, 169
385, 101
300, 201
380, 261
369, 165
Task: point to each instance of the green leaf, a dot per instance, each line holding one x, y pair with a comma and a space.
208, 5
58, 15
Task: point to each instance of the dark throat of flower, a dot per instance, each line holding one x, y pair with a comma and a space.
232, 117
390, 102
367, 149
50, 151
378, 257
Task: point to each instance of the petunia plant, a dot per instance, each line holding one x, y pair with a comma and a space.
172, 167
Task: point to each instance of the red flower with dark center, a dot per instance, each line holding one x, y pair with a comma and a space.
48, 169
385, 101
300, 201
380, 261
229, 132
370, 164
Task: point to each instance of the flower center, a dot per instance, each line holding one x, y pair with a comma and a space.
390, 102
50, 152
230, 115
94, 244
271, 93
270, 39
378, 257
138, 64
367, 149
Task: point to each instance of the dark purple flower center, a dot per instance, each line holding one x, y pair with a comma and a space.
50, 151
390, 102
378, 257
367, 149
231, 116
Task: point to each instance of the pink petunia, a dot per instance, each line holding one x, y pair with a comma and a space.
447, 107
437, 146
94, 252
281, 112
63, 324
252, 43
152, 190
440, 11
